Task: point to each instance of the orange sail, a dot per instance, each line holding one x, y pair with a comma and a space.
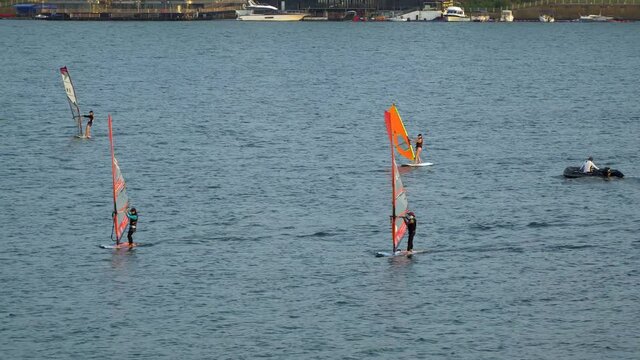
399, 138
399, 202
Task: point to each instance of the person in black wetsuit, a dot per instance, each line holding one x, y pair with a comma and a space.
410, 220
419, 140
132, 214
87, 132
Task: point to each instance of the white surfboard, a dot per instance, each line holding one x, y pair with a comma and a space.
418, 165
399, 253
124, 245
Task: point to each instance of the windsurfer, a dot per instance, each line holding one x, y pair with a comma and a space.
419, 140
588, 166
410, 220
87, 132
132, 214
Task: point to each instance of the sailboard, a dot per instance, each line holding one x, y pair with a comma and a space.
399, 253
399, 201
418, 165
73, 99
400, 139
123, 245
120, 198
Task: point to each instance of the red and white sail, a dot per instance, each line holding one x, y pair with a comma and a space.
120, 198
399, 203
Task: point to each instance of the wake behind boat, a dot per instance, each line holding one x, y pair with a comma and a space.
261, 12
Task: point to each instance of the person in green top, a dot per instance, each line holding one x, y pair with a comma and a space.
132, 214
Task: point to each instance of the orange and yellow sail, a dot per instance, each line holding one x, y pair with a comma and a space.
399, 202
399, 138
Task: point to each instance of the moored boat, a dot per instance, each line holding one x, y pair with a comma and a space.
455, 14
481, 16
260, 12
595, 18
506, 16
428, 12
546, 18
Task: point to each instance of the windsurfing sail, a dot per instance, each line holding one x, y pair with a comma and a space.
399, 203
399, 138
71, 96
120, 198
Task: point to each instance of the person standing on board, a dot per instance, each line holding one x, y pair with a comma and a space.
417, 159
132, 214
588, 166
410, 220
87, 132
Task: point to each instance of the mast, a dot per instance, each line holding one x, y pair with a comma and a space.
393, 202
387, 121
113, 178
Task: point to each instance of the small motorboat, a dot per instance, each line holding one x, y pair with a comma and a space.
574, 172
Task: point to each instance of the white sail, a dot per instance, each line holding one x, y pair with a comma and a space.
72, 98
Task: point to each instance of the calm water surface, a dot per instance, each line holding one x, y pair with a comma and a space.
258, 158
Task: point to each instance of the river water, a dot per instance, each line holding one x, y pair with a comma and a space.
257, 157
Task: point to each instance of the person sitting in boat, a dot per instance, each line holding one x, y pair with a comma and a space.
419, 141
410, 220
132, 214
87, 132
588, 166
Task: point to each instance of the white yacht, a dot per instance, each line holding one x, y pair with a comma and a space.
261, 12
546, 18
482, 16
595, 18
506, 16
455, 14
428, 13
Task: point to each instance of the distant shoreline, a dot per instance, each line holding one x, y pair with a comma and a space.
521, 12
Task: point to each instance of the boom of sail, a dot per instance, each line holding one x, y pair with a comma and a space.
399, 202
120, 198
71, 97
398, 134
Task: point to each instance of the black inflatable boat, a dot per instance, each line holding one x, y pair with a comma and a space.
574, 172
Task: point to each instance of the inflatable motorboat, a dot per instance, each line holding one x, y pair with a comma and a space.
574, 172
